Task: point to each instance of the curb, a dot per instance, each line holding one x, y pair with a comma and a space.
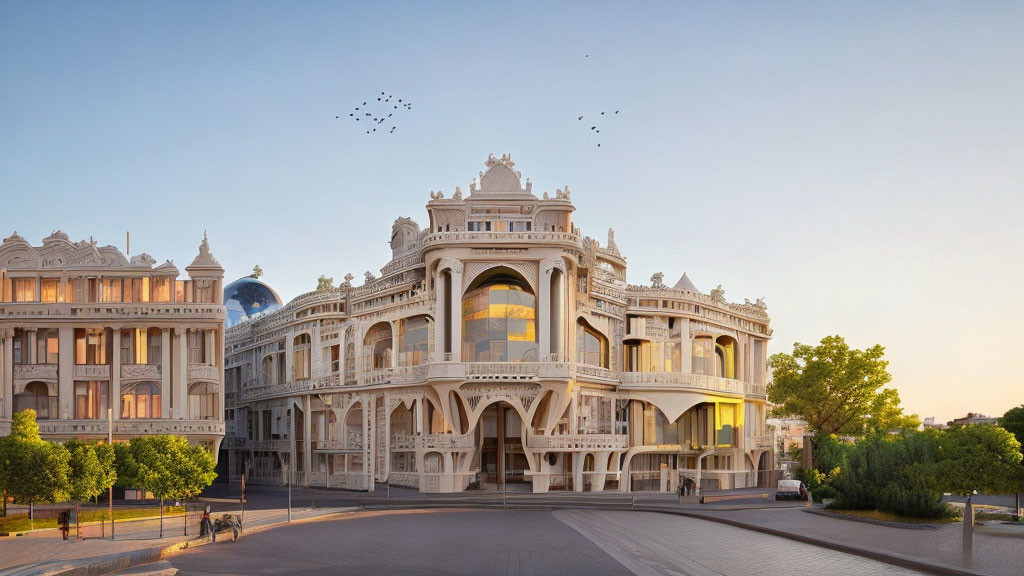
853, 518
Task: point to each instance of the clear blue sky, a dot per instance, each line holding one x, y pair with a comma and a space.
858, 164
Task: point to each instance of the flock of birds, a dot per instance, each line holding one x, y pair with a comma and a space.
382, 111
376, 114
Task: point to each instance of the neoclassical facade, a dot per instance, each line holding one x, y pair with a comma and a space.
84, 329
501, 346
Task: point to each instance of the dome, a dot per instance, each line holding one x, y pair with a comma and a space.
247, 298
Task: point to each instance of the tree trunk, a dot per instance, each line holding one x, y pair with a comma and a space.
3, 512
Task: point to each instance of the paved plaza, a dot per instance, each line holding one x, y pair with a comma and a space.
518, 542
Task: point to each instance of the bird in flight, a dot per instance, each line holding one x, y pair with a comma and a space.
379, 113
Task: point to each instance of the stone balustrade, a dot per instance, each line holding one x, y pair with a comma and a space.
136, 427
140, 372
113, 310
91, 372
272, 445
202, 372
578, 442
756, 389
679, 380
442, 442
538, 237
35, 371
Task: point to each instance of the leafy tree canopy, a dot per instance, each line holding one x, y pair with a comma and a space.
32, 470
1013, 421
836, 388
92, 469
168, 466
982, 458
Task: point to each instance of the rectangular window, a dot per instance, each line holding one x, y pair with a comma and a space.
155, 337
79, 290
20, 346
139, 289
51, 290
181, 291
161, 290
110, 290
197, 347
91, 400
126, 347
90, 346
48, 346
24, 289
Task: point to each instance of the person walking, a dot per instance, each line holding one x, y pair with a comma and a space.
205, 525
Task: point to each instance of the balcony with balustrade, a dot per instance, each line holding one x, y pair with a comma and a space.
678, 381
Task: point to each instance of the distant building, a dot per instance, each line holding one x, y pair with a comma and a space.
974, 419
85, 329
789, 432
930, 423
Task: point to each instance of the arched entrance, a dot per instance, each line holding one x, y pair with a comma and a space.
503, 462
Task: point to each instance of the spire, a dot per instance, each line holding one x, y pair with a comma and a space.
205, 259
684, 283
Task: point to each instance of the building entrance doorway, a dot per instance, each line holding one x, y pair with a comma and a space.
502, 460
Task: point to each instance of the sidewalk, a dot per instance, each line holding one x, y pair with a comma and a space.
36, 552
998, 555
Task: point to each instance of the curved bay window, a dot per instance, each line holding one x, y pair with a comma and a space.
140, 400
725, 357
36, 396
499, 321
591, 346
414, 342
378, 344
202, 401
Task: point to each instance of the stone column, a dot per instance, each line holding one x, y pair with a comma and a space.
65, 372
289, 357
179, 376
33, 346
307, 439
544, 310
394, 343
115, 373
165, 373
456, 307
316, 367
686, 343
442, 314
6, 374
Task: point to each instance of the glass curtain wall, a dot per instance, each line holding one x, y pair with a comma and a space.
499, 322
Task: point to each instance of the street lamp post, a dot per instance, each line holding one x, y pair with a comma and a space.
288, 478
110, 489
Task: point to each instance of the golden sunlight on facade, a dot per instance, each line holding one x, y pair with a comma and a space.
84, 330
501, 346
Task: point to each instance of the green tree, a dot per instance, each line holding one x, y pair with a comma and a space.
980, 458
167, 466
92, 469
31, 470
835, 388
1013, 421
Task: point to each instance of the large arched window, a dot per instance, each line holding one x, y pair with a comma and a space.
591, 345
36, 396
378, 345
703, 355
499, 320
725, 357
140, 400
202, 401
414, 340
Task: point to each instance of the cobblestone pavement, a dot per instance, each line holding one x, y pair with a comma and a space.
993, 554
410, 542
658, 544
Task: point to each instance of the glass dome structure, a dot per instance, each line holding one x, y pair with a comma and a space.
247, 298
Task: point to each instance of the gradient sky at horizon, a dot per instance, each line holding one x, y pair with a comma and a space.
858, 165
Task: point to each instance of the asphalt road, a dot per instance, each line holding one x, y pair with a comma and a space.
518, 542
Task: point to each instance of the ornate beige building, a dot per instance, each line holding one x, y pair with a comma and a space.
500, 345
83, 329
